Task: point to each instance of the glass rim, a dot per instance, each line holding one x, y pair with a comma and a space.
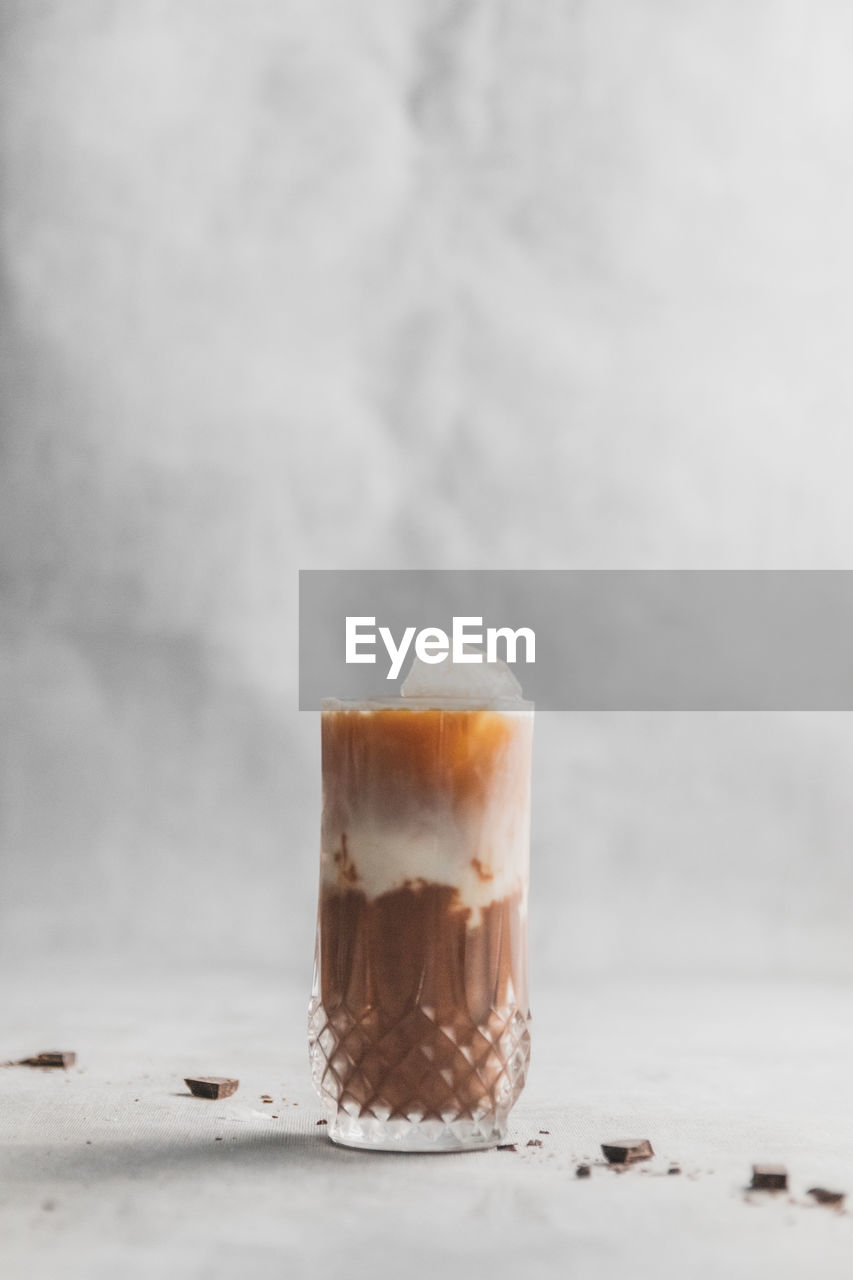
398, 702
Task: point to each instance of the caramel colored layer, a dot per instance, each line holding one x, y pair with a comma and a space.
391, 760
419, 999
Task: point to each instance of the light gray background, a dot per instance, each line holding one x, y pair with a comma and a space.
397, 285
410, 285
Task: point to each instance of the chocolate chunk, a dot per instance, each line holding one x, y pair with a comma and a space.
628, 1150
674, 1169
211, 1086
582, 1171
54, 1058
507, 1146
322, 1122
769, 1177
826, 1197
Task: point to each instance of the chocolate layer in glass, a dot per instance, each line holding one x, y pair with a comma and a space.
419, 1018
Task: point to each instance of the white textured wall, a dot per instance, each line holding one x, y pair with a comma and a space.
405, 284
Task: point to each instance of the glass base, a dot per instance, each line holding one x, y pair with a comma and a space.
425, 1082
370, 1134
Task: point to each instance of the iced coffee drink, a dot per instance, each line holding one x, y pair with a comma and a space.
419, 1018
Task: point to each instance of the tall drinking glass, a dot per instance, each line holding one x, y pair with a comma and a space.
418, 1022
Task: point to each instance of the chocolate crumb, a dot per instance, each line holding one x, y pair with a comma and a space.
535, 1142
322, 1122
627, 1150
507, 1146
674, 1169
822, 1196
769, 1177
546, 1131
583, 1171
55, 1058
211, 1086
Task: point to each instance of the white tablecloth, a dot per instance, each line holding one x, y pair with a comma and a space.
112, 1169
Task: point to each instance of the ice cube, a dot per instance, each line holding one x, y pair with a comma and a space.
482, 681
